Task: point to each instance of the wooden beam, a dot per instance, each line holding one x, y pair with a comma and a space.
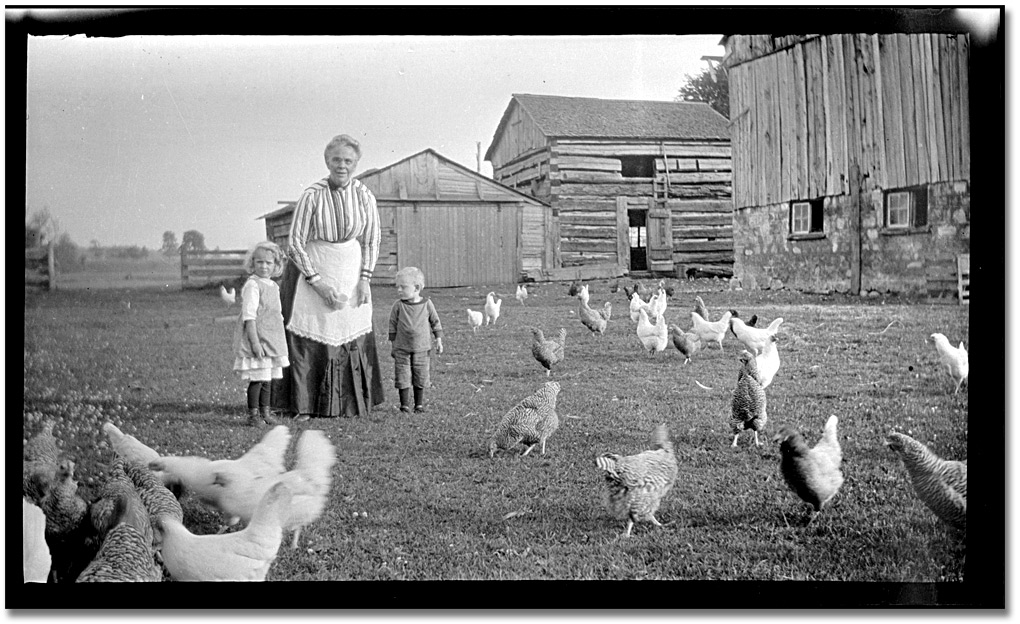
622, 233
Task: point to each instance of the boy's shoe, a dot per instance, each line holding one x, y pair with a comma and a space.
419, 409
267, 416
301, 417
405, 409
254, 420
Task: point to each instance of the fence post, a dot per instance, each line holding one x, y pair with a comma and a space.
184, 274
51, 269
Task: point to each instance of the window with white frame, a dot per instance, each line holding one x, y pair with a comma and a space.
906, 208
806, 217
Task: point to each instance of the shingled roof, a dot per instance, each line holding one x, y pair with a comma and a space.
580, 117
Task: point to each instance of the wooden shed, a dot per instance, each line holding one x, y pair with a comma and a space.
851, 160
634, 185
458, 226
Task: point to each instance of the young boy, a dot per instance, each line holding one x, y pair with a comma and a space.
413, 322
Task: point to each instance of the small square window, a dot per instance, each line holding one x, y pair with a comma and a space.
906, 208
806, 216
637, 166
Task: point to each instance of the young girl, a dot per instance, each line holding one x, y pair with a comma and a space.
260, 345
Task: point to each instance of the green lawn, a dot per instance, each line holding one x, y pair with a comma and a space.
417, 497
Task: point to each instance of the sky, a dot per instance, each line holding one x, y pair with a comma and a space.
130, 137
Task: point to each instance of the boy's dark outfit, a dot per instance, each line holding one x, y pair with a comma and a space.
411, 328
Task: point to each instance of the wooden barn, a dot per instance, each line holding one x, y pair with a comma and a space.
851, 160
458, 226
635, 186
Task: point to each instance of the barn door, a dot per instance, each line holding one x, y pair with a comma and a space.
459, 245
660, 239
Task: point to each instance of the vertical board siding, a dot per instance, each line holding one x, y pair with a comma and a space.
907, 110
872, 142
784, 75
919, 111
892, 111
947, 70
815, 118
936, 99
836, 121
963, 60
800, 180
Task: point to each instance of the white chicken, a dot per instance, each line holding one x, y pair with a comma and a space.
522, 293
474, 319
131, 449
636, 484
244, 555
636, 305
228, 296
710, 332
753, 338
657, 305
768, 362
654, 338
492, 306
36, 554
955, 359
309, 481
233, 486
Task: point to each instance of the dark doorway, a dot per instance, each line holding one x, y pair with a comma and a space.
638, 239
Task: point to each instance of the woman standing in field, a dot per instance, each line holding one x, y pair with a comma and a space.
334, 245
260, 346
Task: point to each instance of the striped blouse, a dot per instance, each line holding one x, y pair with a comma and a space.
335, 215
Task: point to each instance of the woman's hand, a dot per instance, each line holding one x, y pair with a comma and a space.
362, 293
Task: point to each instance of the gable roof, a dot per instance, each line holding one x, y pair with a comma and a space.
582, 117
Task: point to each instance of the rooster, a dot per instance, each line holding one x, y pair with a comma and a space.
547, 352
768, 362
244, 555
522, 293
752, 338
710, 332
653, 338
492, 306
232, 486
685, 342
955, 359
940, 484
636, 484
228, 296
748, 408
531, 421
813, 473
474, 319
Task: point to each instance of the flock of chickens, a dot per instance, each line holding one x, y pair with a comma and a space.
134, 530
636, 484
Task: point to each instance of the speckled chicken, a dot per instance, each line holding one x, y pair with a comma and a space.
654, 338
126, 553
547, 352
768, 362
36, 554
244, 555
636, 484
813, 473
531, 422
955, 359
686, 343
103, 510
63, 507
595, 321
233, 486
157, 499
491, 309
748, 408
940, 484
41, 456
710, 332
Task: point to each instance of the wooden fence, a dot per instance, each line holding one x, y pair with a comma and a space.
200, 269
948, 279
40, 271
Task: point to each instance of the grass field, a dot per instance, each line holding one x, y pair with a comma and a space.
417, 497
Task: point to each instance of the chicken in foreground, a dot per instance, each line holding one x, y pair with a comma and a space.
954, 358
940, 484
654, 338
474, 319
39, 468
157, 499
233, 486
547, 352
768, 362
636, 484
686, 343
753, 338
103, 512
710, 332
126, 553
531, 422
813, 473
228, 296
748, 409
245, 555
308, 481
35, 553
522, 293
66, 527
133, 450
492, 306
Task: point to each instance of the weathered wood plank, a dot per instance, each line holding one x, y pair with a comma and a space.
689, 246
937, 106
681, 205
701, 177
622, 233
704, 256
587, 232
871, 131
609, 149
909, 119
920, 111
590, 220
639, 188
677, 164
754, 139
799, 182
589, 163
837, 121
784, 76
949, 89
724, 231
963, 58
827, 114
595, 177
607, 246
892, 115
773, 139
702, 219
929, 108
814, 89
736, 77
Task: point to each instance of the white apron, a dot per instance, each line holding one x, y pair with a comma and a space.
311, 317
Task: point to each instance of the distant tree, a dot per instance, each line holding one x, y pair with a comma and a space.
710, 86
96, 249
40, 228
193, 241
170, 245
65, 252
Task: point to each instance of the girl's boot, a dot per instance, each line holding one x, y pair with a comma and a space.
253, 417
267, 416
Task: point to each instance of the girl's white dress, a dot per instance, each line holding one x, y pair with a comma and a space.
260, 301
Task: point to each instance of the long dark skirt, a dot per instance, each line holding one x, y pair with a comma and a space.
324, 380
